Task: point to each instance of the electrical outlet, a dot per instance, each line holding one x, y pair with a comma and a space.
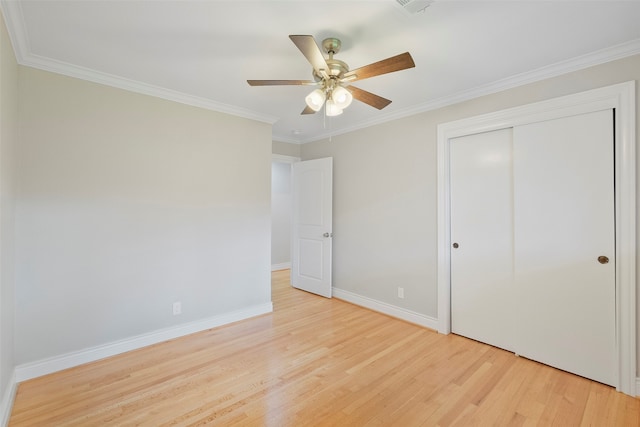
177, 308
400, 292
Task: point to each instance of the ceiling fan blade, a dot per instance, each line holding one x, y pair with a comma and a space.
281, 82
312, 52
308, 110
369, 98
389, 65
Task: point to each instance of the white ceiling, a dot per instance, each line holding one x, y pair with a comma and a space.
202, 52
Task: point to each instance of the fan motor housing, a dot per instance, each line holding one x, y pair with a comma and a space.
337, 68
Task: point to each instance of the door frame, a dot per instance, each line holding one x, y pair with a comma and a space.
620, 97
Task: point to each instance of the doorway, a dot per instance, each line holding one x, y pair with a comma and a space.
301, 221
281, 211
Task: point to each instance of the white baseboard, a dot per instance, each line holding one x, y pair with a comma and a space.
388, 309
7, 400
53, 364
281, 266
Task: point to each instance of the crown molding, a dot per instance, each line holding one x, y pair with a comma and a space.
14, 20
602, 56
12, 11
48, 64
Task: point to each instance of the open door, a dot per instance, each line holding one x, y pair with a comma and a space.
312, 226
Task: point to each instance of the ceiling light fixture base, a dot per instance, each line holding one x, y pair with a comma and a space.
331, 45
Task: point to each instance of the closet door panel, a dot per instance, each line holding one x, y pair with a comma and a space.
563, 222
482, 228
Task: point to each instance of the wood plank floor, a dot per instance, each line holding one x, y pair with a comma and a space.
319, 362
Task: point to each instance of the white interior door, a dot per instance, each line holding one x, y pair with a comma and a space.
312, 226
482, 238
564, 210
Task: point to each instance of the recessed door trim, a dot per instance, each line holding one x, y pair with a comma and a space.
620, 97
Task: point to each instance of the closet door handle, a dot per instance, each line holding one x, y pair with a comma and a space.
603, 259
456, 246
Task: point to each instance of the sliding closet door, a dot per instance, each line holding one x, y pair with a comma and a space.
564, 243
482, 236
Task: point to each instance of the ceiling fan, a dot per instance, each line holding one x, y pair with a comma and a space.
334, 77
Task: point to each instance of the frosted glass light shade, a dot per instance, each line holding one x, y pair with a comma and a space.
315, 99
341, 97
332, 109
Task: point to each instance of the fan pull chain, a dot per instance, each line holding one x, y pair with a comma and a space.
324, 123
324, 117
330, 130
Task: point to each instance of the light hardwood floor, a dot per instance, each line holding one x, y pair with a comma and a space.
316, 362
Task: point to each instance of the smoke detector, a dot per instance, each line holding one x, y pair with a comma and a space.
411, 7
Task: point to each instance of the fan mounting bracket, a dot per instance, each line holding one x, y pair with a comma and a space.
331, 45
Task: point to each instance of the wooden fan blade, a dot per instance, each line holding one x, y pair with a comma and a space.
389, 65
312, 52
308, 110
281, 82
368, 97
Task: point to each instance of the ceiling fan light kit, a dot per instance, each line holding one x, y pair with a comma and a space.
332, 109
341, 97
337, 99
334, 77
315, 99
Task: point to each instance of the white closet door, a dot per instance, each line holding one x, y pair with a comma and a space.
482, 228
564, 221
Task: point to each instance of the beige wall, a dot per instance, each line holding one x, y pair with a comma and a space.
128, 203
8, 141
286, 149
385, 190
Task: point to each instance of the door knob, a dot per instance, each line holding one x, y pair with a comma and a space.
455, 246
328, 234
603, 259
